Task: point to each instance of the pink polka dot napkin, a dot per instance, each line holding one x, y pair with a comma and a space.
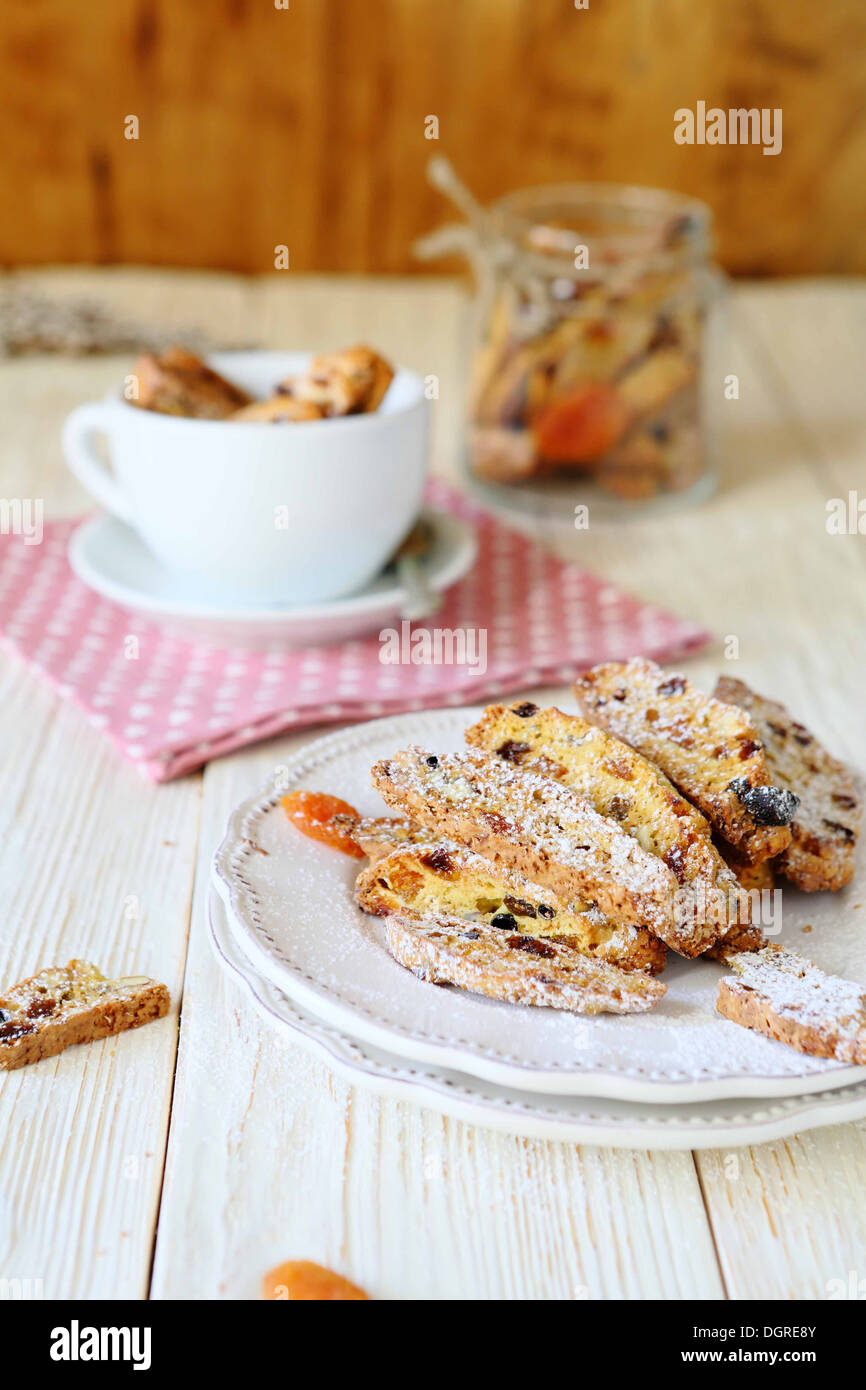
170, 705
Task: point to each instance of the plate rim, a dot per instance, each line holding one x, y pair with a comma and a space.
459, 536
346, 1057
614, 1084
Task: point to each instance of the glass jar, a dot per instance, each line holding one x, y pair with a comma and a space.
595, 334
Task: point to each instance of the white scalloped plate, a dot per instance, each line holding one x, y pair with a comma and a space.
290, 906
613, 1123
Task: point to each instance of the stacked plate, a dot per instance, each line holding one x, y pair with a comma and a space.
284, 923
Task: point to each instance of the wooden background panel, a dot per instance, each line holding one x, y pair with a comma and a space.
304, 126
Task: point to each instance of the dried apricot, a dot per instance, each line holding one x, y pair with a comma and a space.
581, 426
303, 1281
319, 816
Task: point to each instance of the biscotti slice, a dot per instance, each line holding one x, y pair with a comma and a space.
433, 878
72, 1003
778, 993
534, 825
349, 382
515, 968
624, 786
180, 383
709, 750
827, 821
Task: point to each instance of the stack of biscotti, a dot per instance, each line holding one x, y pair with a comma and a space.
777, 801
654, 820
512, 883
550, 830
627, 788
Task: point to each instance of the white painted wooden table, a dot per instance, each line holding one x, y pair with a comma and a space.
185, 1159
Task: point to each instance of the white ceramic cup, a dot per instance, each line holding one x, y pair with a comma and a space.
271, 513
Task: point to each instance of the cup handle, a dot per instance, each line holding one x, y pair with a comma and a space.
78, 431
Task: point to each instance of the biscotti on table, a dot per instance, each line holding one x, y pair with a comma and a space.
74, 1003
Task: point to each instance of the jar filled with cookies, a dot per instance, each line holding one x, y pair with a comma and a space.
592, 375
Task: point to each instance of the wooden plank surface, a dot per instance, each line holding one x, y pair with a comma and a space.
95, 864
304, 125
269, 1156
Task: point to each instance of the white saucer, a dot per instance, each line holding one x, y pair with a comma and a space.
109, 557
292, 912
615, 1124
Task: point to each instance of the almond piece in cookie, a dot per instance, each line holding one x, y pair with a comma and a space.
827, 821
778, 993
180, 383
625, 787
533, 825
441, 877
711, 751
515, 968
73, 1003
